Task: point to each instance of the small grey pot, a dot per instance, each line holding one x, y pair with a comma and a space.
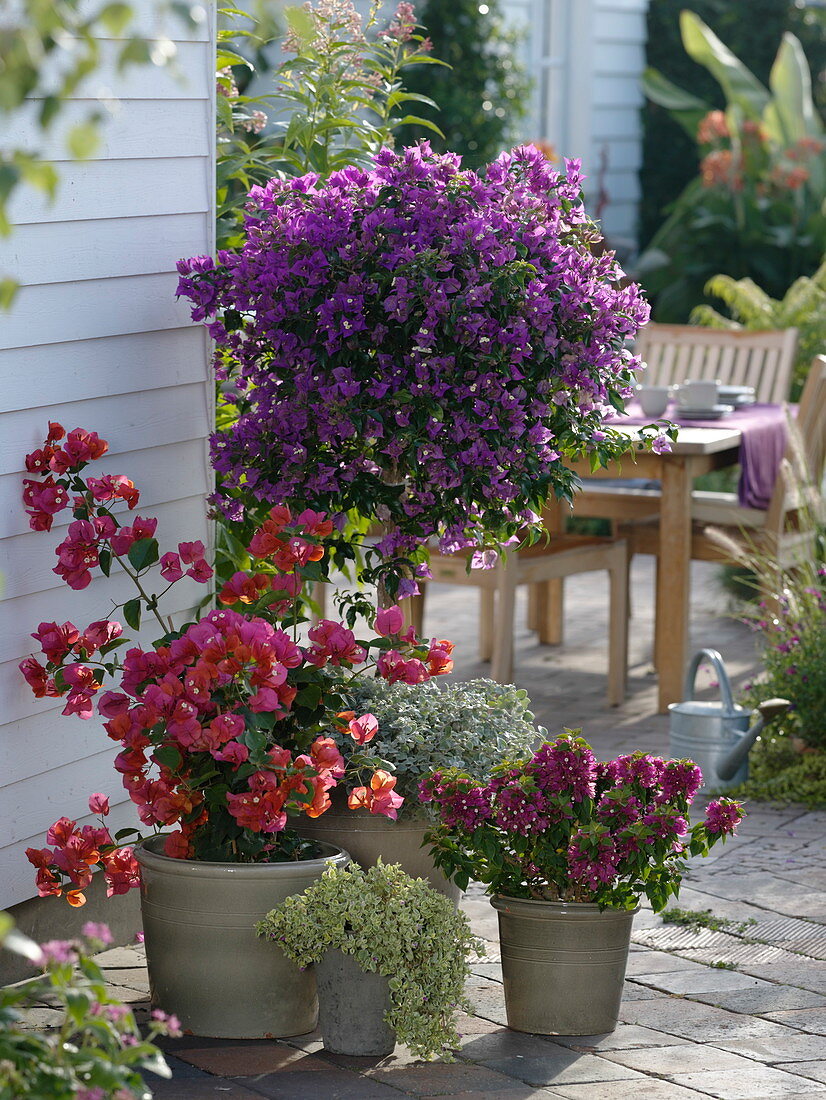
351, 1007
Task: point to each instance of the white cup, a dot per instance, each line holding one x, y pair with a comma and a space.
698, 395
653, 399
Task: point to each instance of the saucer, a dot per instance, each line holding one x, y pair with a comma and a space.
692, 413
737, 395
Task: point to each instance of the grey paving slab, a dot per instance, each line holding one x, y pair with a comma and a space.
625, 1037
647, 1089
569, 1068
437, 1078
812, 1020
815, 1070
693, 1021
325, 1085
764, 998
791, 1046
668, 1061
755, 1083
703, 979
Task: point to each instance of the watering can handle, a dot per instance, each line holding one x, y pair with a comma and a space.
713, 658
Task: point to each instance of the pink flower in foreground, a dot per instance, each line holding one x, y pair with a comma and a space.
99, 804
379, 797
389, 620
171, 567
363, 729
395, 668
723, 816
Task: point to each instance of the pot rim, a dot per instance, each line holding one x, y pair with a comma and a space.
503, 901
147, 856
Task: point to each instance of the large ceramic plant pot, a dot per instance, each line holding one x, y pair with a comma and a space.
206, 963
563, 965
366, 836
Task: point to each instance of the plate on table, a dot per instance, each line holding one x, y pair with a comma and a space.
715, 413
737, 395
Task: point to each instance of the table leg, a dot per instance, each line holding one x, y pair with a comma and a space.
546, 599
673, 581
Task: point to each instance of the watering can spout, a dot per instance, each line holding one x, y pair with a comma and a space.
768, 710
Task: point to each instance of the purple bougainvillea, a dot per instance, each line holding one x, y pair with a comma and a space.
416, 342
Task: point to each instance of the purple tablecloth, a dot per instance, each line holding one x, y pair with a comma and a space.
762, 445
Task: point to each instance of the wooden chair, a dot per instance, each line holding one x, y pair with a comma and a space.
764, 360
673, 353
538, 566
778, 532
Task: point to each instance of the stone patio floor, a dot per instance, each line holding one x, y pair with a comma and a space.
738, 1013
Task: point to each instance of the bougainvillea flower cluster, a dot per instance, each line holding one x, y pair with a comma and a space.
225, 723
418, 342
562, 826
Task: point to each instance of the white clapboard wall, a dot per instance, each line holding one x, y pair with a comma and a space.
586, 58
97, 339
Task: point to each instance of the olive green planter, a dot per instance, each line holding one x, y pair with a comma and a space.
563, 965
206, 963
365, 837
351, 1007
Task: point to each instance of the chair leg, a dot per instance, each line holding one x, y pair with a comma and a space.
618, 628
487, 597
502, 661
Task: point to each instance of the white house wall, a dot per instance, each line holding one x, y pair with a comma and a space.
586, 58
96, 339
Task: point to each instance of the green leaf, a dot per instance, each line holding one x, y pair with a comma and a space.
684, 107
132, 613
83, 140
739, 84
8, 292
105, 562
168, 757
143, 553
116, 18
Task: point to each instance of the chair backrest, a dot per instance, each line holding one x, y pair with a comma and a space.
675, 353
807, 448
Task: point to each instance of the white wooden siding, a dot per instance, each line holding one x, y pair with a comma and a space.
586, 58
97, 339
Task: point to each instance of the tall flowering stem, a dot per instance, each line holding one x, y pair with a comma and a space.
452, 327
225, 723
561, 826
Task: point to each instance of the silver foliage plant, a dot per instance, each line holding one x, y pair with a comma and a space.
430, 726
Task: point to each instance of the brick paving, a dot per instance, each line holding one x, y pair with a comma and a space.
737, 1013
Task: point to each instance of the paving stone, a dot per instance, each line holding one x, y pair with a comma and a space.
43, 1019
658, 962
646, 1089
672, 1060
327, 1084
812, 1020
568, 1068
205, 1088
756, 1083
765, 998
514, 1092
625, 1037
704, 979
633, 992
441, 1079
510, 1044
487, 999
815, 1070
694, 1021
121, 958
247, 1059
791, 1047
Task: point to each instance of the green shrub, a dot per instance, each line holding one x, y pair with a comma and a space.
803, 307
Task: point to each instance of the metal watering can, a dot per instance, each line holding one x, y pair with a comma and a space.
716, 735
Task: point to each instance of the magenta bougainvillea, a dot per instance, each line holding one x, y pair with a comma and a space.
563, 826
422, 344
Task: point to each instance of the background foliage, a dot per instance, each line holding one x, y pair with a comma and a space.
752, 30
482, 96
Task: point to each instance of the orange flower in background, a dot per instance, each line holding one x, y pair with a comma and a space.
379, 798
712, 128
720, 169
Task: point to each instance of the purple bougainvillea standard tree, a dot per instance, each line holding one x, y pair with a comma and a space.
419, 344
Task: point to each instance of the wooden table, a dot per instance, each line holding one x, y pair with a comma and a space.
696, 452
